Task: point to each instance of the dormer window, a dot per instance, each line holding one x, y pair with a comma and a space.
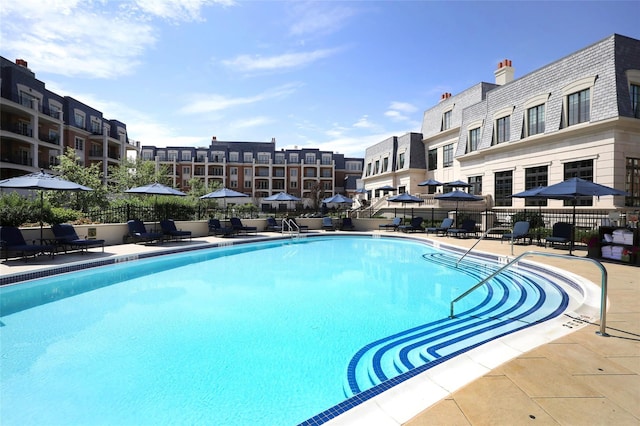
446, 120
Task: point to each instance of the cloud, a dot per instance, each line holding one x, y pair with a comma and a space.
250, 122
400, 111
318, 18
206, 103
248, 63
173, 10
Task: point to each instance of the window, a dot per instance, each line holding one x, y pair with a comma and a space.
162, 156
173, 155
293, 173
376, 167
401, 160
584, 170
146, 154
233, 183
503, 185
28, 100
233, 171
234, 157
385, 164
533, 178
219, 171
476, 185
247, 184
354, 166
79, 144
264, 157
368, 170
248, 172
79, 119
293, 158
433, 159
474, 139
247, 157
633, 183
293, 184
96, 127
310, 158
635, 100
54, 110
279, 158
186, 170
535, 120
326, 159
578, 107
446, 120
186, 155
447, 155
309, 172
503, 126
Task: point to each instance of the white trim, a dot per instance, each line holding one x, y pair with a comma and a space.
536, 100
579, 85
504, 112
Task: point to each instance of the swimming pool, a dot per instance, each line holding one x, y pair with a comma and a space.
264, 333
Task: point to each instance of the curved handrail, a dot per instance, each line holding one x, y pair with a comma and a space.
603, 286
291, 226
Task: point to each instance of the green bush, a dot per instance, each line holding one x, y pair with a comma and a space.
16, 210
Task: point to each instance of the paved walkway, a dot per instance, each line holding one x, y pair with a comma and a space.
579, 379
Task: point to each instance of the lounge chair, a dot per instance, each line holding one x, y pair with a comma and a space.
520, 231
169, 230
560, 234
391, 226
414, 226
327, 224
272, 225
216, 228
467, 227
347, 224
238, 227
297, 227
138, 232
12, 241
446, 224
66, 237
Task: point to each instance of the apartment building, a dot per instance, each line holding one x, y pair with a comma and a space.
258, 169
37, 125
578, 116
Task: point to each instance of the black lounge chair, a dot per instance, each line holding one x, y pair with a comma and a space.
520, 231
468, 227
272, 225
169, 230
391, 226
138, 232
347, 224
12, 241
216, 228
67, 238
327, 224
446, 224
560, 234
414, 226
238, 227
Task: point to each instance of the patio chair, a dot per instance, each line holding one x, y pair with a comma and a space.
238, 227
272, 225
12, 241
327, 224
66, 237
520, 232
138, 232
169, 230
446, 224
347, 224
467, 227
560, 234
414, 226
301, 228
216, 228
391, 226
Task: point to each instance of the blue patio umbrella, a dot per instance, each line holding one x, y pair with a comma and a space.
156, 189
44, 182
405, 198
338, 199
386, 188
430, 182
457, 196
282, 196
224, 193
573, 188
458, 184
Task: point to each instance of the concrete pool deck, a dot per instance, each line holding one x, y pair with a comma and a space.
579, 379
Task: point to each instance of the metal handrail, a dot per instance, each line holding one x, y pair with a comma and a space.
497, 228
603, 284
290, 225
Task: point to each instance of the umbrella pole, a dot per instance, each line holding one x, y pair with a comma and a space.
573, 228
41, 213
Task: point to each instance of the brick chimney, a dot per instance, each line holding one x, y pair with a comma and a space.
214, 138
22, 63
504, 73
445, 96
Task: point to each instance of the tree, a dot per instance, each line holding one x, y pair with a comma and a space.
132, 173
90, 176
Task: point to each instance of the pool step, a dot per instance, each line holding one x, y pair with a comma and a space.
501, 313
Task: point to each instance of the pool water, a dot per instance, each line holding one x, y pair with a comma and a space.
249, 334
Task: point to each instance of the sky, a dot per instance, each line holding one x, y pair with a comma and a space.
333, 75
